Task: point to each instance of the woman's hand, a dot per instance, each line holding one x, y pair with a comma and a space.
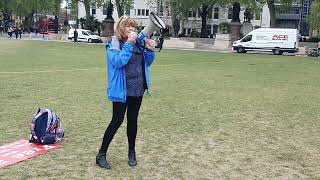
132, 37
150, 44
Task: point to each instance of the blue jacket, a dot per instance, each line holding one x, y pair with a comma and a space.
116, 60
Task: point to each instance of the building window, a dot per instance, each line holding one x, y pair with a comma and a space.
215, 28
135, 12
147, 12
93, 11
167, 9
192, 13
230, 13
216, 13
295, 11
189, 31
139, 12
184, 31
143, 12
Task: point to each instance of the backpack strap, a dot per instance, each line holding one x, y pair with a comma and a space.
33, 137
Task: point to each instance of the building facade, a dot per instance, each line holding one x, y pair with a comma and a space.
141, 10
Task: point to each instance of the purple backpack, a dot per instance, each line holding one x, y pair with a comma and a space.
46, 127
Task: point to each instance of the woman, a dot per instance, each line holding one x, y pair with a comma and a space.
128, 78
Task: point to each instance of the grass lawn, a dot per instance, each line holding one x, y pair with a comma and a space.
209, 115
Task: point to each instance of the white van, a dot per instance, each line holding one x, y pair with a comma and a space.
85, 36
269, 39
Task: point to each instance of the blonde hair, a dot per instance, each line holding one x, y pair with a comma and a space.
119, 28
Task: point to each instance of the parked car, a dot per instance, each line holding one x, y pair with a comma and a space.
276, 40
85, 35
314, 52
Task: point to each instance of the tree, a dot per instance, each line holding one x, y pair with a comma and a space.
272, 13
179, 12
56, 4
123, 6
204, 7
88, 3
6, 7
314, 17
74, 8
26, 9
257, 4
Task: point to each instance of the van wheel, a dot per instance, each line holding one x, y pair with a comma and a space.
277, 52
90, 40
241, 50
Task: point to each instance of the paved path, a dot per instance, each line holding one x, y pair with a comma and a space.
26, 36
40, 37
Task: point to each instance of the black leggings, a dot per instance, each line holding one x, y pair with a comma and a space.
132, 105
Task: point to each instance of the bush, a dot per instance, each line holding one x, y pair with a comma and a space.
167, 35
224, 27
195, 34
314, 39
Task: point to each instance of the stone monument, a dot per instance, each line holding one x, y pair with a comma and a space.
108, 23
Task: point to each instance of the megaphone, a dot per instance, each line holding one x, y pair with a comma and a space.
154, 24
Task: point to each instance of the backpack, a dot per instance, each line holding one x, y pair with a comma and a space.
46, 127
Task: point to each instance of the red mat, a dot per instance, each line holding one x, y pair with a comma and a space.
22, 150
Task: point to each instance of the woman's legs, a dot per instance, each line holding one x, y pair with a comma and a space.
133, 104
119, 110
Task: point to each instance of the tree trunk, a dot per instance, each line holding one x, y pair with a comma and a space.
204, 14
87, 7
173, 18
119, 6
6, 18
310, 31
272, 13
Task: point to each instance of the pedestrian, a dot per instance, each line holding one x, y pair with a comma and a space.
161, 40
10, 30
1, 29
75, 35
16, 31
20, 31
128, 78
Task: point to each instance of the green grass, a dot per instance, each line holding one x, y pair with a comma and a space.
209, 115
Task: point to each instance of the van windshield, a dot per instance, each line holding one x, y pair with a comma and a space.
247, 38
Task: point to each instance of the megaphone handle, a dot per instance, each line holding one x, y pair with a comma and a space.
144, 44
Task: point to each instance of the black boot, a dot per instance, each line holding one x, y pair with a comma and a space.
132, 158
101, 161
